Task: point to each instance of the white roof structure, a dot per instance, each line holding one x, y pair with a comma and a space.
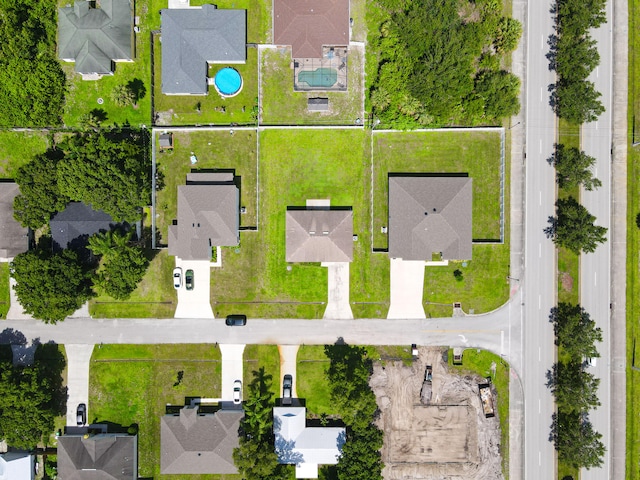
306, 447
17, 466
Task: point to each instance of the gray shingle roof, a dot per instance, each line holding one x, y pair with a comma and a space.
191, 38
319, 235
193, 443
94, 37
72, 227
430, 214
13, 236
99, 457
208, 215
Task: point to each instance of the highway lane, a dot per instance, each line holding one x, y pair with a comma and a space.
595, 280
540, 285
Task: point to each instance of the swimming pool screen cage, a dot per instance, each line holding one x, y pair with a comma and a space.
326, 74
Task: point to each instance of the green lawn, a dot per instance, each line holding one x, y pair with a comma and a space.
82, 96
281, 105
4, 290
155, 296
633, 246
134, 383
18, 148
480, 362
262, 356
475, 153
214, 150
311, 382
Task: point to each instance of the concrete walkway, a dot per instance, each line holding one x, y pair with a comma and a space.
194, 303
232, 360
407, 284
15, 310
338, 300
78, 360
288, 364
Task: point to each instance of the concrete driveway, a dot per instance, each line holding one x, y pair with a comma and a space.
338, 306
407, 283
288, 363
78, 359
232, 362
195, 303
15, 309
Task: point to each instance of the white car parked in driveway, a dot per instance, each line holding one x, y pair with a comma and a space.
177, 277
237, 392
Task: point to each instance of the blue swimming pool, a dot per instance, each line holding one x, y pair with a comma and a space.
228, 82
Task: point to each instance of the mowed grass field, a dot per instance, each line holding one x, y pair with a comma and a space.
132, 384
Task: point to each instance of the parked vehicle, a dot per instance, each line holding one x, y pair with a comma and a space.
188, 280
236, 320
457, 356
237, 392
486, 397
177, 277
414, 350
287, 386
81, 414
426, 392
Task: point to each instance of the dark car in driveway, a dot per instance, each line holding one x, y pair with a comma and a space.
287, 385
236, 320
188, 280
81, 414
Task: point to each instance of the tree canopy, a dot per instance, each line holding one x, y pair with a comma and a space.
577, 443
51, 286
574, 228
574, 167
576, 332
574, 389
109, 170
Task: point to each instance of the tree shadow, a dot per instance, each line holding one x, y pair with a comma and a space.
51, 363
137, 88
9, 336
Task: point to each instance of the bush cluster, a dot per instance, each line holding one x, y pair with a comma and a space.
574, 56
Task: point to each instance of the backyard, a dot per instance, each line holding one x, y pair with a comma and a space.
18, 148
132, 384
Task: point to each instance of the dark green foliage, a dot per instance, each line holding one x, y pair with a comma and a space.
574, 389
51, 286
110, 171
574, 58
576, 332
577, 443
575, 17
573, 168
361, 459
123, 264
32, 83
31, 397
577, 102
574, 228
457, 274
39, 196
432, 56
638, 220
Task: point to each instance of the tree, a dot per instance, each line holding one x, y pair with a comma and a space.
51, 286
577, 102
40, 198
361, 458
123, 264
109, 170
508, 35
576, 332
123, 95
574, 228
499, 90
577, 443
575, 389
573, 168
574, 58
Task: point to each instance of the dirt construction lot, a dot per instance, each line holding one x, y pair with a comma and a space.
447, 437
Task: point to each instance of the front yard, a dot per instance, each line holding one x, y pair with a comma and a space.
18, 148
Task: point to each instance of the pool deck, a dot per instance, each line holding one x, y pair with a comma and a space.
334, 58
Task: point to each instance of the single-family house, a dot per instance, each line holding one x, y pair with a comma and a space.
90, 456
95, 38
194, 442
193, 38
429, 214
17, 465
14, 238
208, 216
72, 227
305, 447
319, 234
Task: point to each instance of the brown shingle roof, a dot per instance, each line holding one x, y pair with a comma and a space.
307, 25
99, 457
208, 215
319, 235
430, 214
193, 443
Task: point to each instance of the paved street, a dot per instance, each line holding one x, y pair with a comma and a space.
540, 284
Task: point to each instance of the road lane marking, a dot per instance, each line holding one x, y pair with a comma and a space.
501, 342
542, 42
539, 302
540, 192
597, 72
541, 96
539, 354
539, 406
539, 458
595, 278
540, 250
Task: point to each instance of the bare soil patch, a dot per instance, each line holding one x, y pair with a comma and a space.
448, 438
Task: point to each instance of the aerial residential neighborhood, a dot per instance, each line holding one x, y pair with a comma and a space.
334, 239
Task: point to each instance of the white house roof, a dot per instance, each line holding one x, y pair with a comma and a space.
17, 466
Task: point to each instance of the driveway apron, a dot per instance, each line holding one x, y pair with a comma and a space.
195, 303
338, 284
78, 359
288, 363
232, 359
407, 284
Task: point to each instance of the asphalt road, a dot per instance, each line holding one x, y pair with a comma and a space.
595, 280
540, 284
